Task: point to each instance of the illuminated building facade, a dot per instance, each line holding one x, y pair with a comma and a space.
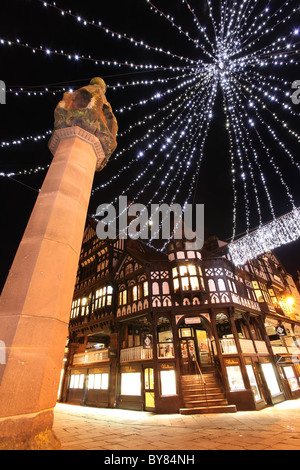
180, 331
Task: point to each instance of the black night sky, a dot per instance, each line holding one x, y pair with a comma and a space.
32, 23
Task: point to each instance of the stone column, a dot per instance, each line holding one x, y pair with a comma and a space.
36, 299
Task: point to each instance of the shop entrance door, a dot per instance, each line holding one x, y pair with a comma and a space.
188, 356
204, 348
262, 384
195, 348
149, 388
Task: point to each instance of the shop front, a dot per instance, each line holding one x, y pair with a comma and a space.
250, 376
131, 388
145, 388
290, 373
194, 334
89, 386
284, 338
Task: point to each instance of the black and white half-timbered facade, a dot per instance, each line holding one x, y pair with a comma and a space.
180, 331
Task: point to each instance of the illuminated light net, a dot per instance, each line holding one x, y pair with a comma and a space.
242, 51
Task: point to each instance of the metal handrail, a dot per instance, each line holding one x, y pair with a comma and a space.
202, 379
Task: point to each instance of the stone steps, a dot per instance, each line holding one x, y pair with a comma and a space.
208, 409
204, 395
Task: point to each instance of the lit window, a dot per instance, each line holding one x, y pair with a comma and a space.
155, 288
235, 378
134, 293
131, 384
273, 297
176, 285
77, 381
122, 297
194, 283
149, 379
168, 382
271, 379
103, 297
75, 308
145, 287
98, 381
185, 283
192, 270
104, 381
182, 270
165, 287
259, 295
292, 380
221, 285
253, 383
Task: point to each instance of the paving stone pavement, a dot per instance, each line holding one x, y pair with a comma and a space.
84, 428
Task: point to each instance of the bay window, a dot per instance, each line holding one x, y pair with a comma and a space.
185, 277
103, 297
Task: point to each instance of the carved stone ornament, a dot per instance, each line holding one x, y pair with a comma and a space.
89, 109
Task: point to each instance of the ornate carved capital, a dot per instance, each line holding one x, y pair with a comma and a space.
71, 132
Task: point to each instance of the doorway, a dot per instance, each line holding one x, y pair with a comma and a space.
149, 389
195, 345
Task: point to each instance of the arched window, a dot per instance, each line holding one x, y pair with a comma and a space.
134, 293
211, 285
221, 285
155, 288
166, 289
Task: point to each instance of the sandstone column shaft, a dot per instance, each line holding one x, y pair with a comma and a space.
36, 300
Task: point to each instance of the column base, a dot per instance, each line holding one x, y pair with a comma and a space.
28, 432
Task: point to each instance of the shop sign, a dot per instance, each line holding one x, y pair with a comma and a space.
231, 362
264, 360
147, 342
167, 366
280, 330
99, 370
192, 321
130, 369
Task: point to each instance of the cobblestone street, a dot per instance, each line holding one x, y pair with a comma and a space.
83, 428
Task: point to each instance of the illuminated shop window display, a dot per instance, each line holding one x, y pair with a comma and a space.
235, 378
98, 382
291, 378
131, 384
271, 379
77, 381
253, 383
168, 382
165, 347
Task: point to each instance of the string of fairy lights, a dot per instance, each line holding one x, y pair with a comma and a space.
240, 51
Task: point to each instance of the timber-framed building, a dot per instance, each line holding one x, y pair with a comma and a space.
180, 331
